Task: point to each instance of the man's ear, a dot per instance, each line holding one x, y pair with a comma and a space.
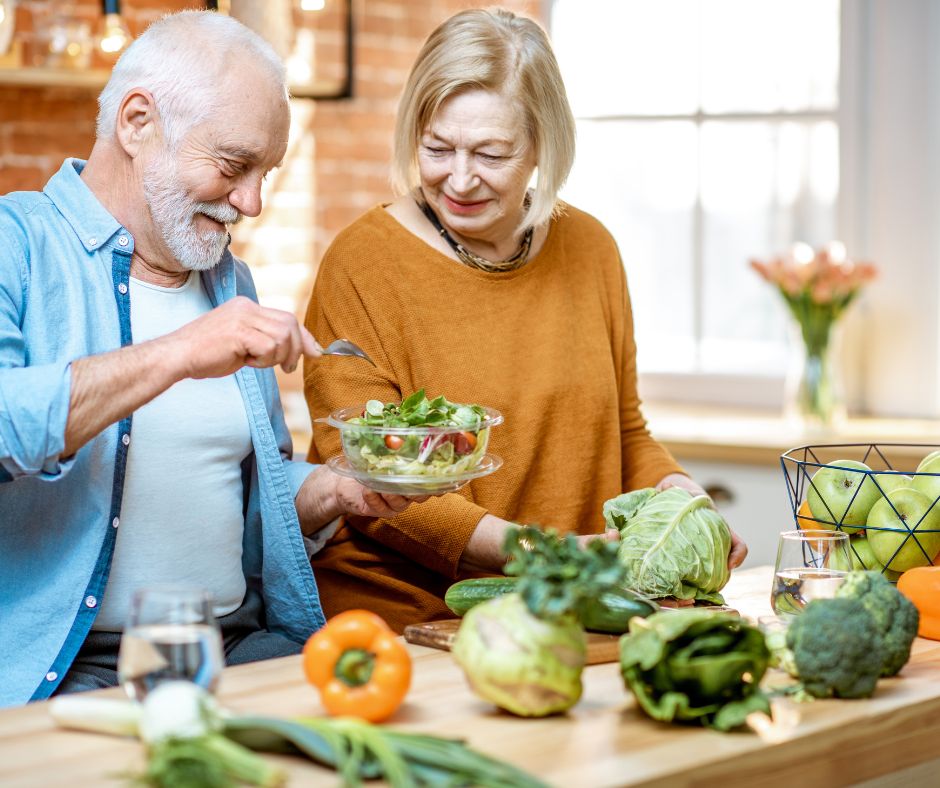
136, 122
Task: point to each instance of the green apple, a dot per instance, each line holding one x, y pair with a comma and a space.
842, 494
928, 485
860, 557
929, 458
891, 481
895, 547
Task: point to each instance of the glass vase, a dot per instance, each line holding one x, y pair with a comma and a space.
814, 395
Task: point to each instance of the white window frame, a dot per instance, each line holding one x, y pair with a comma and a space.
888, 212
758, 390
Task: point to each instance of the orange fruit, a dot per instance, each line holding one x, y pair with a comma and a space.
806, 522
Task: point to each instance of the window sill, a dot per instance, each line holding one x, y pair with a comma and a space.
759, 436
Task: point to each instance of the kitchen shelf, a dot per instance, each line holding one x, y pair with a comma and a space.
91, 79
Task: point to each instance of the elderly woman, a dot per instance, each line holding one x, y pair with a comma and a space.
473, 286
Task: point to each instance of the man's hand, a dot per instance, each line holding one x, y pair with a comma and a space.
107, 387
325, 495
240, 333
738, 548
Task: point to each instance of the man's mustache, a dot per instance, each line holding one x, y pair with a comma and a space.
220, 211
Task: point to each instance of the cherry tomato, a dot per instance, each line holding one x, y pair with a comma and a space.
394, 442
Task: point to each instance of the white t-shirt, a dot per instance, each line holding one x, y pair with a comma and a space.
182, 518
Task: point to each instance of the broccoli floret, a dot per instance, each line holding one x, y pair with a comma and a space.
894, 613
836, 648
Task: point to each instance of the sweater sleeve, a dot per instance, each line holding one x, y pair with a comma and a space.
645, 461
434, 534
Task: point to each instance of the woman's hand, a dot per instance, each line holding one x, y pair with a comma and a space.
609, 535
484, 551
738, 551
680, 480
738, 548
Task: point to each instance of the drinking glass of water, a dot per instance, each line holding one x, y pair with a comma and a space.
171, 634
804, 572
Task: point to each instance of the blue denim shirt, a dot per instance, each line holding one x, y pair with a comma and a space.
64, 268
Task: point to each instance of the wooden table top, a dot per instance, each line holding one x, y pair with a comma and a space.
603, 741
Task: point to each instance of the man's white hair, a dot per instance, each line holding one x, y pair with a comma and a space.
182, 60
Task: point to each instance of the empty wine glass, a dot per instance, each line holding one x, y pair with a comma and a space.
171, 635
804, 572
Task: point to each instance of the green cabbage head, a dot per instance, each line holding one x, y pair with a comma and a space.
672, 543
521, 663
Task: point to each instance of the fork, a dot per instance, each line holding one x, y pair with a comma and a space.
343, 347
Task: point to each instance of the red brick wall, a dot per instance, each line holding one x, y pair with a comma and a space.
353, 138
41, 126
337, 164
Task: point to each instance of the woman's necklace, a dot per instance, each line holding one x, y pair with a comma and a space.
467, 257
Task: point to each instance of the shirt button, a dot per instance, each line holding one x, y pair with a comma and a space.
122, 240
125, 439
225, 281
92, 241
52, 675
90, 601
115, 522
122, 288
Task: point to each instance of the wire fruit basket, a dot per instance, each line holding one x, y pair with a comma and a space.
886, 496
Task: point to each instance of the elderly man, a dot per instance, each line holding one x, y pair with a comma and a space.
141, 436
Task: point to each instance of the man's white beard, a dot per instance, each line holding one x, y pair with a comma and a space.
174, 214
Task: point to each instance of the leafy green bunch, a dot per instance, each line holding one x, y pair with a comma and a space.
695, 666
419, 411
558, 578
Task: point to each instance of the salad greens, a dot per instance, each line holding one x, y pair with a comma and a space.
419, 437
418, 411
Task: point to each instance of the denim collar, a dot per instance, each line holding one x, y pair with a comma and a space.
91, 222
94, 226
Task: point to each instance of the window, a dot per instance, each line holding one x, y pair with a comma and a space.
707, 135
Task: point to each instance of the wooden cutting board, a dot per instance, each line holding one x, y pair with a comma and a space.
441, 634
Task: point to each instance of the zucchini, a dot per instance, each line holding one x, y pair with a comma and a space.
463, 595
612, 611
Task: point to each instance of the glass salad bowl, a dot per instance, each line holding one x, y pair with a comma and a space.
427, 448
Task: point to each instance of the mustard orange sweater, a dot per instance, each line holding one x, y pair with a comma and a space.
549, 345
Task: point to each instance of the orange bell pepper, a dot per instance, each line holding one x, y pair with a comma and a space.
359, 666
922, 586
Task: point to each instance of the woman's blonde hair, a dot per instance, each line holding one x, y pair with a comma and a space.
494, 50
